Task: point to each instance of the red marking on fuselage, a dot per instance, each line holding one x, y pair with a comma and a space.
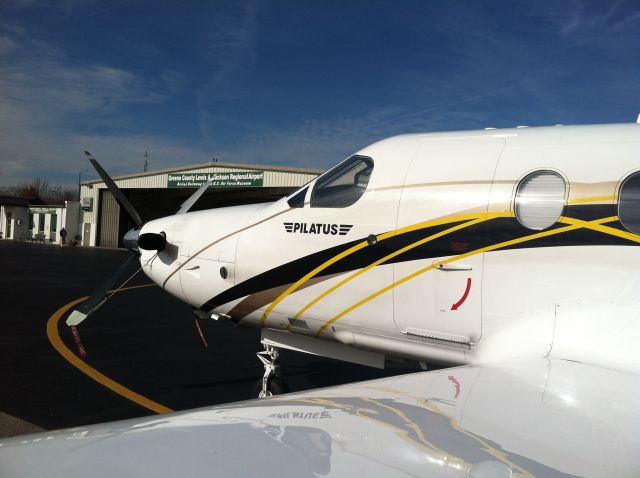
204, 341
459, 247
464, 296
456, 384
76, 336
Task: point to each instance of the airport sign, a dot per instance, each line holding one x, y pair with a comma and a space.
42, 210
227, 179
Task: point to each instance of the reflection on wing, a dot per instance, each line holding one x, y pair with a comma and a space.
529, 418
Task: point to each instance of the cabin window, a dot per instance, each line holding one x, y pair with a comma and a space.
629, 203
540, 199
297, 200
343, 185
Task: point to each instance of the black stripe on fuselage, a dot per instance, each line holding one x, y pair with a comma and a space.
294, 270
464, 240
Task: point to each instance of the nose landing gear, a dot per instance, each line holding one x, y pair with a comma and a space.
271, 382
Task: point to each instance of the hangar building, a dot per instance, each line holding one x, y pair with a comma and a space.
159, 193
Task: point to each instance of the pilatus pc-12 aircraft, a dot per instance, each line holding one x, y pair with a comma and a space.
509, 255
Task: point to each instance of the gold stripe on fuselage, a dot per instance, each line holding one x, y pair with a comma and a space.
391, 256
597, 199
482, 216
475, 217
573, 224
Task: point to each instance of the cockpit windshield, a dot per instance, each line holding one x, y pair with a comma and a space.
343, 185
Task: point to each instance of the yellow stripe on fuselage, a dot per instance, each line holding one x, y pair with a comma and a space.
387, 258
592, 199
479, 217
573, 224
482, 216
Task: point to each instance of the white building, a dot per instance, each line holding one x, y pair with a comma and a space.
14, 218
20, 220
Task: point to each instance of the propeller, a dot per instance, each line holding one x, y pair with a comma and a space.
99, 295
132, 240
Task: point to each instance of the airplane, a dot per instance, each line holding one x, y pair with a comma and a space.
509, 254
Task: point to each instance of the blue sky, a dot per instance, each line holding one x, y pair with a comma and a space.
301, 83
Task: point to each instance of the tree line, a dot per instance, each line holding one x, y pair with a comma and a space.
41, 188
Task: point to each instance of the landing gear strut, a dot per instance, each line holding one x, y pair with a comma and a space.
271, 382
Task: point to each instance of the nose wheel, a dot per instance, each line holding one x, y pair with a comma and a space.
271, 382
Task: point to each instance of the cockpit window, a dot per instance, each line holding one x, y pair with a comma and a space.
343, 185
297, 200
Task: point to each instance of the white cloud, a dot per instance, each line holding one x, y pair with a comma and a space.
62, 6
45, 99
52, 108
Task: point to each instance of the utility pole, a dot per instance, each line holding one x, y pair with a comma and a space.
79, 179
146, 163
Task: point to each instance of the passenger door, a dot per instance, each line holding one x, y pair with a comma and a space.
438, 290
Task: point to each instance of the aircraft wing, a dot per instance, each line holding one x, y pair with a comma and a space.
525, 418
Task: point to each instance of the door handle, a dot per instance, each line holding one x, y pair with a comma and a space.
446, 267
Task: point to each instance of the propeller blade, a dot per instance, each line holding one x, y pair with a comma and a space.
194, 197
99, 296
115, 190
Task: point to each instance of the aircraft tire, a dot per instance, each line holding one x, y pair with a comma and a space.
277, 386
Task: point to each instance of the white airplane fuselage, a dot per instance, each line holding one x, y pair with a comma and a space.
462, 247
514, 251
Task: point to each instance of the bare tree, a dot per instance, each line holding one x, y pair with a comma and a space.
41, 188
58, 194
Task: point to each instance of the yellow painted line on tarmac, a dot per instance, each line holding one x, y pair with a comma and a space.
73, 359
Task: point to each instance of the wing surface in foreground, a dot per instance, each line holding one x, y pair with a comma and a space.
529, 418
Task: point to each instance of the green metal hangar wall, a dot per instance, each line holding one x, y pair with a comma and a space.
159, 193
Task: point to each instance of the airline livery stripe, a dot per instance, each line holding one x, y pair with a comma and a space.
574, 224
596, 226
289, 275
383, 260
308, 276
592, 199
363, 244
398, 231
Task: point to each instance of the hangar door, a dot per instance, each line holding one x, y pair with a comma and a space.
109, 220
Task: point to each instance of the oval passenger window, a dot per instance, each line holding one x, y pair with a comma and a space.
629, 203
540, 199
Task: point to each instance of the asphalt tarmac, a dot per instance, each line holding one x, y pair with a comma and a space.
142, 339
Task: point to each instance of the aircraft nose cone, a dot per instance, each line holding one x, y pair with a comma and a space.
130, 239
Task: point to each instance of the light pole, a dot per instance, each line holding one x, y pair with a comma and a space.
79, 179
